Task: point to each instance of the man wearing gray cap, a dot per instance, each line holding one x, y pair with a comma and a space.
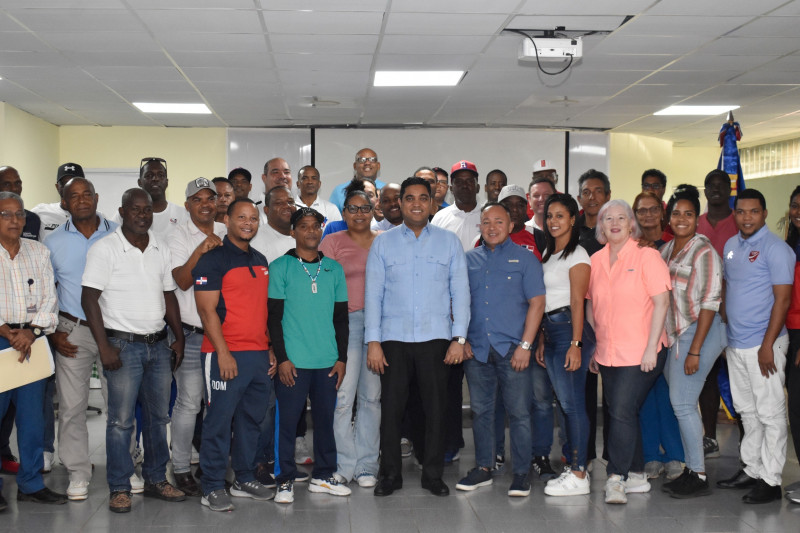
188, 242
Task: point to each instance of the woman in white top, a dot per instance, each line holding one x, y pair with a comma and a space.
567, 351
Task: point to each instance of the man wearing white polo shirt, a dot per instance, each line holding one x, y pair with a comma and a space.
308, 181
128, 291
188, 243
464, 217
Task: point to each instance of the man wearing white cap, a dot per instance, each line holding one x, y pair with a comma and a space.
543, 168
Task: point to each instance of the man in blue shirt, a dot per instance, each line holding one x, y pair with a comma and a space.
76, 350
759, 271
416, 277
507, 286
365, 167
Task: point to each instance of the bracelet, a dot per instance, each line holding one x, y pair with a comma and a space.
694, 354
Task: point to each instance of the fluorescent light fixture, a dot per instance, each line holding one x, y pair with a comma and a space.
417, 78
192, 109
701, 110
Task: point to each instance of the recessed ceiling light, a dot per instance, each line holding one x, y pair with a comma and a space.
417, 78
193, 109
704, 110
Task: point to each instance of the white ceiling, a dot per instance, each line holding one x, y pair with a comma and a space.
261, 63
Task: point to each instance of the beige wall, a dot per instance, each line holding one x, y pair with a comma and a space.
30, 145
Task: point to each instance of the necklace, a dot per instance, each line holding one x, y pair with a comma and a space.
313, 279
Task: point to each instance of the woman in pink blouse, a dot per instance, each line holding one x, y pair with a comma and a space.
629, 292
357, 444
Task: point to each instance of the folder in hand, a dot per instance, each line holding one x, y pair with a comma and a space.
39, 365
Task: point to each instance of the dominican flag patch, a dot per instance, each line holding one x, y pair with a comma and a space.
201, 281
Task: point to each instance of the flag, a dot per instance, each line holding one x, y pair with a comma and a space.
729, 161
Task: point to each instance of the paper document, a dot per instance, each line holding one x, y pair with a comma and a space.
14, 374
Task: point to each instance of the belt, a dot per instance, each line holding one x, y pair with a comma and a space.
26, 325
564, 309
150, 338
193, 328
75, 320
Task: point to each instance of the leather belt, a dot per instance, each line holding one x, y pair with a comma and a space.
564, 309
75, 320
26, 325
150, 338
195, 329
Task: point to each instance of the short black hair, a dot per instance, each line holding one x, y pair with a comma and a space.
229, 212
593, 174
496, 171
538, 180
487, 205
268, 196
239, 171
220, 179
355, 188
657, 174
414, 180
750, 194
687, 192
128, 196
716, 173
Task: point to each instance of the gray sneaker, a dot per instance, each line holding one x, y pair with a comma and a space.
251, 489
217, 500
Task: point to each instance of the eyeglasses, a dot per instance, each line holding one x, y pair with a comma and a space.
147, 160
441, 182
642, 211
11, 215
353, 209
652, 186
363, 160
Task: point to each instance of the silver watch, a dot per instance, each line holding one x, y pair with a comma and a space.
525, 345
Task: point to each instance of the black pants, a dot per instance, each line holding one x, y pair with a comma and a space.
421, 363
793, 388
591, 412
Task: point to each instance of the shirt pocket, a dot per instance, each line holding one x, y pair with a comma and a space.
440, 267
510, 275
681, 279
395, 267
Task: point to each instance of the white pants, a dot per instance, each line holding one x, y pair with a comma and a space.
761, 403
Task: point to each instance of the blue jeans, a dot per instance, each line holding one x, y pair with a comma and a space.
484, 381
625, 389
570, 387
145, 375
684, 390
659, 426
542, 418
189, 380
358, 443
49, 415
28, 400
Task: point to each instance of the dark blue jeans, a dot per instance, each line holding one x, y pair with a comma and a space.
660, 430
486, 381
322, 390
625, 389
570, 387
542, 417
30, 433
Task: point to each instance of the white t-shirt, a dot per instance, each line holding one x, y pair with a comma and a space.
133, 282
52, 216
532, 225
324, 207
466, 225
182, 241
165, 221
271, 242
556, 277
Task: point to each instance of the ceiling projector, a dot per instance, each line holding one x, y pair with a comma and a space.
546, 49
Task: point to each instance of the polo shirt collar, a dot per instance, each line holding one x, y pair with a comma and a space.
754, 238
152, 242
103, 225
235, 249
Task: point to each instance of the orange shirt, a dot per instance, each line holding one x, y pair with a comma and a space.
621, 302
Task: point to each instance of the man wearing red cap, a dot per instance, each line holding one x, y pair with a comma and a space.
464, 217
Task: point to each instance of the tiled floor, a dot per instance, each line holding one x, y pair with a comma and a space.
414, 510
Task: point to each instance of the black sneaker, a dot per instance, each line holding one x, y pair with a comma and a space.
520, 486
710, 448
541, 465
691, 487
670, 486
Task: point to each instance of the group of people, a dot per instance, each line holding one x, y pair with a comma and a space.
375, 305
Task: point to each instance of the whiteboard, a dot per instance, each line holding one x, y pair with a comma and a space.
109, 184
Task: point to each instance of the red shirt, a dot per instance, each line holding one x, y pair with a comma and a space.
719, 234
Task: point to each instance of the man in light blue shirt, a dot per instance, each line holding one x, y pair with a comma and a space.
416, 281
365, 167
759, 271
75, 347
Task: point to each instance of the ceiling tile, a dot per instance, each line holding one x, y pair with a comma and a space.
768, 27
426, 44
732, 46
114, 41
21, 41
453, 6
647, 25
222, 59
671, 45
213, 42
76, 20
568, 22
324, 23
331, 44
322, 62
201, 20
711, 9
597, 7
444, 24
324, 5
119, 59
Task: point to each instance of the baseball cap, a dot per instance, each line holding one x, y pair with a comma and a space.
69, 169
542, 164
197, 185
306, 212
464, 165
511, 190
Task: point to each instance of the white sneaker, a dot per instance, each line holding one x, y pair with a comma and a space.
78, 490
285, 493
615, 490
329, 486
636, 483
48, 462
340, 478
137, 484
567, 484
366, 480
673, 470
301, 454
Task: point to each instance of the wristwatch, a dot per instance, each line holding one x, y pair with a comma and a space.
577, 344
460, 340
37, 331
525, 345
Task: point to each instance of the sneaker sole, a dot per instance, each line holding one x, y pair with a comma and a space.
575, 492
519, 493
137, 490
469, 488
78, 497
284, 499
327, 490
712, 455
244, 494
638, 489
204, 501
706, 492
367, 484
616, 501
